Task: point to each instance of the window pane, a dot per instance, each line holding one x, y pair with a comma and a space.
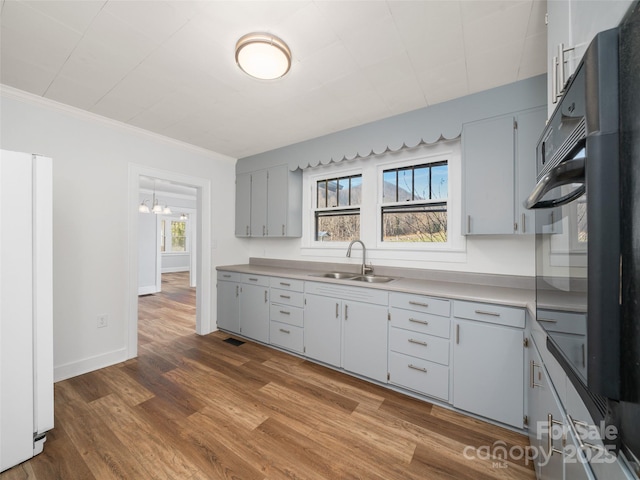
337, 228
343, 192
418, 224
322, 194
332, 186
389, 186
356, 190
440, 182
421, 183
405, 184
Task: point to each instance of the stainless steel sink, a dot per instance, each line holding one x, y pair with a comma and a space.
372, 278
336, 275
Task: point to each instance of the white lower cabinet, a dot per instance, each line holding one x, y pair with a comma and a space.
488, 362
254, 308
365, 339
323, 329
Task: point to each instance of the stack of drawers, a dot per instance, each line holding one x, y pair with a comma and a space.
286, 314
419, 343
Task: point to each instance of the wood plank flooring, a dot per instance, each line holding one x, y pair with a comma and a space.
196, 407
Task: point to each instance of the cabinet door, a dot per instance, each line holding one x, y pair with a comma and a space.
488, 371
259, 203
488, 176
541, 404
322, 329
530, 126
243, 205
229, 306
365, 339
277, 201
254, 312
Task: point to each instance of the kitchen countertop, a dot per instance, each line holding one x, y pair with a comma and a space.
499, 295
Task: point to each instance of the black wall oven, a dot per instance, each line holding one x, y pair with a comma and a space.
581, 213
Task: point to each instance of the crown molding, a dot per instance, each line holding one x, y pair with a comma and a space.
27, 97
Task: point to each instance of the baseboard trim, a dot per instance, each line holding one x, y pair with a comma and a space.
73, 369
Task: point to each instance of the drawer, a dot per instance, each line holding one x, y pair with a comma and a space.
286, 314
563, 322
286, 336
489, 313
286, 297
255, 280
420, 303
287, 284
421, 322
419, 375
426, 347
229, 276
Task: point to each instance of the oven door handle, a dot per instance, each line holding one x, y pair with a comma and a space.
566, 173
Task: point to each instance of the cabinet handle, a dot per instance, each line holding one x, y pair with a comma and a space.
337, 310
265, 296
484, 312
457, 334
414, 320
286, 297
417, 342
468, 223
419, 304
346, 312
550, 423
532, 374
582, 444
421, 369
285, 284
285, 331
524, 223
284, 312
237, 290
283, 229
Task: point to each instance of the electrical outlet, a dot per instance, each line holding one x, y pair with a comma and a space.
103, 320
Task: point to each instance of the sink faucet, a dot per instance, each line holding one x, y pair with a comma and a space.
365, 269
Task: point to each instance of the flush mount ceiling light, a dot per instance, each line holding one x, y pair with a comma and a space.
263, 56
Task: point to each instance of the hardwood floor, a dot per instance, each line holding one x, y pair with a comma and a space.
197, 407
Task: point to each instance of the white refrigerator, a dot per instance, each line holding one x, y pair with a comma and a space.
26, 306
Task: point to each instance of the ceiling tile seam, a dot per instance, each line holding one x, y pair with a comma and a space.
44, 94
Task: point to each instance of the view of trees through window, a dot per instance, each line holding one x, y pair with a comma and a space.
415, 203
338, 209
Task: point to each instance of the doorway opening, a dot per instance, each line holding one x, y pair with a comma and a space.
166, 254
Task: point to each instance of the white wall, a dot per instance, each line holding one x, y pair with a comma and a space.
91, 158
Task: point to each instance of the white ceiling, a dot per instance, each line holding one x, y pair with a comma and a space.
168, 66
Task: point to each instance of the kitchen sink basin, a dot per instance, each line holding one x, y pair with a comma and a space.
336, 275
372, 278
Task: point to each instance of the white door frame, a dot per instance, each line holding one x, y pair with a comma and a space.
203, 250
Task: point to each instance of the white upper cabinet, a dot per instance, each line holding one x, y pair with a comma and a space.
269, 203
571, 25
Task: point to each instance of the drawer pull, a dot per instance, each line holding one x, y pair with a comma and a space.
253, 279
285, 331
285, 284
418, 304
484, 312
284, 312
417, 342
226, 276
285, 296
422, 322
421, 369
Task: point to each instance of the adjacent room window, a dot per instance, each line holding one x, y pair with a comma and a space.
414, 203
337, 213
173, 236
